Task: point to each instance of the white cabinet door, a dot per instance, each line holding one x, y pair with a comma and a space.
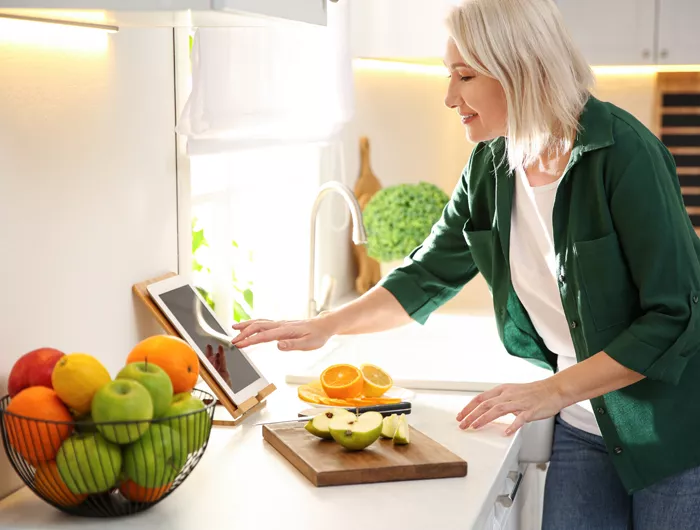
399, 29
679, 32
313, 11
612, 32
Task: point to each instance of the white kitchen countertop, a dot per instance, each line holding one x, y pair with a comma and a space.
242, 482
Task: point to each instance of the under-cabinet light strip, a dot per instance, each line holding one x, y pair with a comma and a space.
90, 25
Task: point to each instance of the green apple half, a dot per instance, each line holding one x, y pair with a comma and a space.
194, 422
389, 426
122, 400
356, 432
88, 463
156, 458
318, 425
401, 436
156, 381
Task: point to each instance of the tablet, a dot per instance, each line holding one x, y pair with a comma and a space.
187, 311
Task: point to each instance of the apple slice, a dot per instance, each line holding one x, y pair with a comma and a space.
318, 425
401, 437
356, 432
389, 426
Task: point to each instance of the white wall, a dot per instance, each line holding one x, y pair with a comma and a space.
87, 194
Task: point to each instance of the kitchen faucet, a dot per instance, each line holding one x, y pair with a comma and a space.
359, 237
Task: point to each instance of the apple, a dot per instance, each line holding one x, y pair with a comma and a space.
156, 458
389, 426
356, 432
88, 463
122, 400
34, 368
85, 423
401, 437
195, 426
156, 381
318, 425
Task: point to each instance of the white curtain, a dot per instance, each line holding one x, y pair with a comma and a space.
274, 84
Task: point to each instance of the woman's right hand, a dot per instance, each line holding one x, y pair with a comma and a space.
302, 335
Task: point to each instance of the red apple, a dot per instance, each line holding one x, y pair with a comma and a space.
33, 369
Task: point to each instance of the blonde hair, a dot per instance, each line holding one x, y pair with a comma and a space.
525, 46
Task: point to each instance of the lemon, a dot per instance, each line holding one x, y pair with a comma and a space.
376, 380
76, 378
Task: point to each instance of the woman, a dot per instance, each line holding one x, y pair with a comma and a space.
571, 210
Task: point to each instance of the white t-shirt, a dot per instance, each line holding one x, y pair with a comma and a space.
533, 272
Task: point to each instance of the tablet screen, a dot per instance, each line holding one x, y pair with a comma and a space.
233, 367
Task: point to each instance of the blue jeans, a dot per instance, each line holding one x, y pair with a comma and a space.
583, 491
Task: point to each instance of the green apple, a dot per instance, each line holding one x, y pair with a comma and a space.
155, 379
122, 400
194, 422
318, 425
88, 463
156, 458
356, 432
389, 426
401, 437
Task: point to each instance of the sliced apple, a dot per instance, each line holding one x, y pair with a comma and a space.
356, 433
389, 426
318, 425
401, 436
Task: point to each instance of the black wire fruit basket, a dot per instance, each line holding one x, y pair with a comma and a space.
106, 469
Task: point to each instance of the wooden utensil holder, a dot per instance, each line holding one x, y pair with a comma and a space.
238, 412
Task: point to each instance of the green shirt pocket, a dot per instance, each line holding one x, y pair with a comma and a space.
481, 246
606, 281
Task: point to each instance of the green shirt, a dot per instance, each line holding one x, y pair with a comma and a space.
628, 275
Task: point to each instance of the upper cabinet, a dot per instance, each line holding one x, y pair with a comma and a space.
135, 13
612, 32
399, 29
679, 32
609, 32
635, 32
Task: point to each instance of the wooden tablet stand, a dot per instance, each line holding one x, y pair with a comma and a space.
237, 412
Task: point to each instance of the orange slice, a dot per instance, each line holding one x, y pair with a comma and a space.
376, 380
342, 381
311, 394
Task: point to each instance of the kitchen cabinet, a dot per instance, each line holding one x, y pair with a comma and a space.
170, 13
619, 32
679, 37
399, 29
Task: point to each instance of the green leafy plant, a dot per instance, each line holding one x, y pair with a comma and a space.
399, 218
243, 297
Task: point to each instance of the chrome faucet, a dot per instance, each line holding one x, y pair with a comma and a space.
359, 237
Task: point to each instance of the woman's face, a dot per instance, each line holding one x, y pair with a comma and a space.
479, 100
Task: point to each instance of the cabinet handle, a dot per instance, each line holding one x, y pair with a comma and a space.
663, 54
646, 54
507, 500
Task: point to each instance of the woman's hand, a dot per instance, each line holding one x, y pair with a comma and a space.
303, 335
528, 402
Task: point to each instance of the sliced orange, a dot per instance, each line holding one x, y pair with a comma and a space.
311, 394
342, 381
376, 380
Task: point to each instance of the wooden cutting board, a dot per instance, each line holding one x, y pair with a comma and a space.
327, 463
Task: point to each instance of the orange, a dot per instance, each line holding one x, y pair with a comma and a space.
173, 355
76, 377
136, 493
342, 381
48, 482
376, 380
36, 440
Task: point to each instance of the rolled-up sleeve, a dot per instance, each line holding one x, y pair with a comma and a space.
439, 268
661, 249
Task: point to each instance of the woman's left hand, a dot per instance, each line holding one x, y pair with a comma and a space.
528, 402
